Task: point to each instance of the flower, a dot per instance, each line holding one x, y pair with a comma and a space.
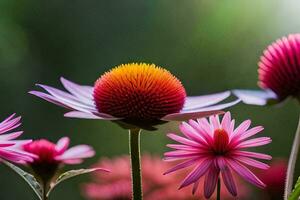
50, 156
215, 148
274, 178
134, 95
117, 185
9, 147
278, 73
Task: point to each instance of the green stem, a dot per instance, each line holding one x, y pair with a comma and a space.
292, 163
219, 189
134, 147
45, 188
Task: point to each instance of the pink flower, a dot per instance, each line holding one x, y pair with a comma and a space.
274, 178
50, 156
215, 148
279, 67
278, 73
134, 95
10, 149
117, 184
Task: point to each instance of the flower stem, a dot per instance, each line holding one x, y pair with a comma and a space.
134, 147
292, 163
45, 188
219, 189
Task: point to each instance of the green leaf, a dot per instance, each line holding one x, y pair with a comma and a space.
296, 191
29, 178
72, 173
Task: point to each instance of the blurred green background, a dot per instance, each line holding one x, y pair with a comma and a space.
209, 45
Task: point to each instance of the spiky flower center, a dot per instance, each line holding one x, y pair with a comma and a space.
221, 141
139, 92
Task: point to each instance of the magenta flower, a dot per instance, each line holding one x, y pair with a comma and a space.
134, 95
215, 148
51, 156
274, 178
10, 149
278, 73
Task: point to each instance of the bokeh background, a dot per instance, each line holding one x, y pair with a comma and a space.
210, 45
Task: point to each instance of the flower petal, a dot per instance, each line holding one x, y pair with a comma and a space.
182, 165
11, 136
229, 181
256, 97
62, 145
197, 173
182, 116
82, 92
195, 102
77, 152
254, 142
245, 173
210, 181
85, 115
253, 155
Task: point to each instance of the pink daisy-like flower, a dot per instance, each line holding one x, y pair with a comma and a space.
216, 148
117, 185
278, 73
50, 156
10, 149
134, 95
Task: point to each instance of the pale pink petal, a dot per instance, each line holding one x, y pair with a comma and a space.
214, 108
10, 136
253, 155
183, 140
10, 125
255, 97
215, 122
7, 119
251, 132
205, 133
194, 102
86, 115
183, 116
77, 152
254, 142
68, 99
241, 129
205, 126
62, 145
225, 124
191, 133
252, 162
82, 92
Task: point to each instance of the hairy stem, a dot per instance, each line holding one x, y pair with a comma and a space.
134, 147
292, 163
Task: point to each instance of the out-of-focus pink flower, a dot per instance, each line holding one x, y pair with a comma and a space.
50, 156
274, 178
134, 95
279, 67
216, 148
117, 184
10, 149
278, 73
